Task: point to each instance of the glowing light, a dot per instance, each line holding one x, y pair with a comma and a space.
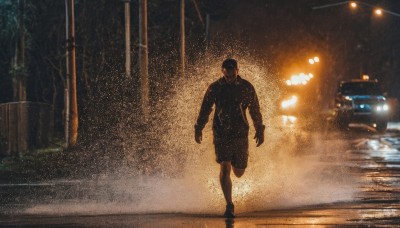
313, 60
299, 79
378, 12
381, 108
289, 119
353, 5
289, 103
385, 107
365, 77
295, 80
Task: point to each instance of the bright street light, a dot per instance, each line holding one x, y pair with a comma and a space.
355, 4
313, 60
378, 12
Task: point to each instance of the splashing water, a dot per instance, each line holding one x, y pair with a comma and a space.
293, 167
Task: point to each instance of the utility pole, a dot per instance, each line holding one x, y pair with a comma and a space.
182, 39
71, 108
127, 39
143, 60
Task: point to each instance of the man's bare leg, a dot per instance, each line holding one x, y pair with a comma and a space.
225, 180
226, 185
238, 172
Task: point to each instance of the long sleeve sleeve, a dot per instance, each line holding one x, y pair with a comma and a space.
206, 108
254, 109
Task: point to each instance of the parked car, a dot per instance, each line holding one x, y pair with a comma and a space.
361, 101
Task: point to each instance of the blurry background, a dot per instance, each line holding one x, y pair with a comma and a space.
280, 35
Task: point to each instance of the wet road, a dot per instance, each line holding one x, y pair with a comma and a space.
373, 159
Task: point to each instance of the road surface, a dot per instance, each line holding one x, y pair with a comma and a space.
372, 161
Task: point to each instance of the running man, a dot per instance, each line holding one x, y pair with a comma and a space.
232, 95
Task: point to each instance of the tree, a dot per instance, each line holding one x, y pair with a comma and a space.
18, 62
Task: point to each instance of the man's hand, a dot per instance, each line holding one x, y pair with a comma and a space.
198, 136
259, 137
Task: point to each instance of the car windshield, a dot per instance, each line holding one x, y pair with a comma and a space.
360, 88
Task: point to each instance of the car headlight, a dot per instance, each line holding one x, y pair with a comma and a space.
382, 108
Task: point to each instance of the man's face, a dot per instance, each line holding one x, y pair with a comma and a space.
230, 74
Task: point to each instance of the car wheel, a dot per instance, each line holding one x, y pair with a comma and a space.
381, 126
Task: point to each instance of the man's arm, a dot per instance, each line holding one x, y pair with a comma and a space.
254, 109
205, 110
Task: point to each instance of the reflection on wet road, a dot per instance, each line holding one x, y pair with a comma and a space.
370, 160
379, 157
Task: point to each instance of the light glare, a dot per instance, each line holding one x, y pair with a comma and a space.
289, 120
289, 103
382, 108
385, 107
299, 79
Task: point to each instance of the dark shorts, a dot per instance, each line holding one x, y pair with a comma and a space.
234, 150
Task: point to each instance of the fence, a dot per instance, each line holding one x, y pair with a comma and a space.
24, 126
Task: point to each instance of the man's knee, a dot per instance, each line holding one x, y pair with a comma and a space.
225, 169
238, 172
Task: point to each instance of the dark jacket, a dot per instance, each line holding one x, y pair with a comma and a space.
231, 102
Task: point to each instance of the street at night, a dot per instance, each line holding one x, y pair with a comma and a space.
199, 113
350, 179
